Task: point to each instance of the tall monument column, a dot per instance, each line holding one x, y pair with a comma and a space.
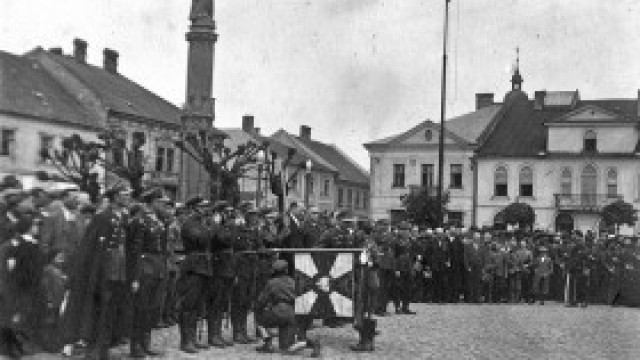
199, 108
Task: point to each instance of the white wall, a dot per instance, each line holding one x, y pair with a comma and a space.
546, 183
384, 197
610, 139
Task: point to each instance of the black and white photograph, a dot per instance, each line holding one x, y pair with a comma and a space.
333, 179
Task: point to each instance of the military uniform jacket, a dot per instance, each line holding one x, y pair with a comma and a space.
223, 258
196, 239
148, 237
108, 231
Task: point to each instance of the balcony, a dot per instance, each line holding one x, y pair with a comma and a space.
584, 202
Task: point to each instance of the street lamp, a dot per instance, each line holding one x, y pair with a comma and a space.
307, 182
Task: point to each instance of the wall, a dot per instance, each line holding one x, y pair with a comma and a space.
26, 159
619, 139
547, 183
385, 198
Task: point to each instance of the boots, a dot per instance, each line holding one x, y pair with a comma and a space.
187, 325
239, 325
146, 345
214, 329
367, 333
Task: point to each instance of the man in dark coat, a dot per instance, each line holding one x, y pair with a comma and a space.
148, 237
101, 276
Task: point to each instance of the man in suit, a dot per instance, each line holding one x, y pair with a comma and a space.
62, 229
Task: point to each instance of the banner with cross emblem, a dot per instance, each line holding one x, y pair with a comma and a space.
325, 283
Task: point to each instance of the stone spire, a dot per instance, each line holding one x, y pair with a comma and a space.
199, 108
516, 79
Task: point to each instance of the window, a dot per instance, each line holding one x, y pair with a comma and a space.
118, 151
340, 197
526, 182
311, 184
365, 200
456, 177
398, 175
7, 142
427, 175
455, 218
590, 141
565, 183
428, 135
349, 198
160, 158
612, 183
357, 200
500, 182
325, 189
46, 144
294, 183
170, 159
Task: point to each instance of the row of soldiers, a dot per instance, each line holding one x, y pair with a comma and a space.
93, 276
459, 266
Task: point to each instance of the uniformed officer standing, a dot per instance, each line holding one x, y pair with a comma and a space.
102, 274
148, 236
195, 274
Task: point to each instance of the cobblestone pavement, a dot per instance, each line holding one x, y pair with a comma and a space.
465, 332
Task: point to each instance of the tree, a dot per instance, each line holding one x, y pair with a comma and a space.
519, 213
422, 207
78, 161
618, 213
224, 166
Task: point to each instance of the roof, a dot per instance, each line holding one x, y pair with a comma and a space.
319, 163
117, 92
28, 89
348, 170
466, 128
520, 129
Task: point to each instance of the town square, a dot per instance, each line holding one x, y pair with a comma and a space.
339, 179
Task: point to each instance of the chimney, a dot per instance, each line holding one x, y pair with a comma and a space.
56, 50
247, 123
305, 132
484, 100
80, 50
110, 63
539, 99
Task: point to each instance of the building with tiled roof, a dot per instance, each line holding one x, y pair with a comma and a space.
409, 160
335, 183
60, 94
565, 156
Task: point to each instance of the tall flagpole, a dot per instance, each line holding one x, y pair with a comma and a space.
443, 106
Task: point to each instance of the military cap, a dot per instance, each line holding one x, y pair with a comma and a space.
273, 215
280, 265
11, 192
194, 201
204, 203
220, 204
153, 194
10, 181
117, 189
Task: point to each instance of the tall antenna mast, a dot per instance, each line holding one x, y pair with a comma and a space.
443, 108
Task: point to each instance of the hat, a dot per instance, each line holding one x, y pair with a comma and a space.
11, 192
118, 189
220, 204
194, 201
204, 203
280, 265
10, 181
154, 194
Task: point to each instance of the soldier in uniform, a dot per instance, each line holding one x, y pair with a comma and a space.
148, 240
101, 277
195, 274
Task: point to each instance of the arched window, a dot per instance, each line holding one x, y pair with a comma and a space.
612, 183
500, 182
526, 182
565, 183
590, 141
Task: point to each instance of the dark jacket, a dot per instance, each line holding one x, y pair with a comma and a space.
276, 302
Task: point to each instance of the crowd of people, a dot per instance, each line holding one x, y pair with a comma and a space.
80, 278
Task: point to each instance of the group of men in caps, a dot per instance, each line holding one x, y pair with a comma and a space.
504, 267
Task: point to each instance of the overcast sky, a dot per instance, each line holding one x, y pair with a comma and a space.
354, 70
